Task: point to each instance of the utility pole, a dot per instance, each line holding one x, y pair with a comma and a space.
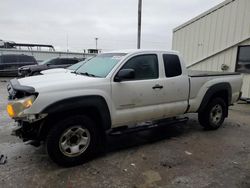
96, 39
139, 24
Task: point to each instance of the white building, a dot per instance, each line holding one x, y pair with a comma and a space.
218, 40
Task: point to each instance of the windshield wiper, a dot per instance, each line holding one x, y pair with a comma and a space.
86, 74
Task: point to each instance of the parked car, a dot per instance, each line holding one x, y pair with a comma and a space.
64, 70
9, 63
113, 93
48, 64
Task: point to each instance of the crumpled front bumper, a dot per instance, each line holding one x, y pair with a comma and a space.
28, 131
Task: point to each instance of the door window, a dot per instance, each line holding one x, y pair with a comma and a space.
9, 59
145, 66
54, 62
172, 65
26, 59
68, 61
64, 62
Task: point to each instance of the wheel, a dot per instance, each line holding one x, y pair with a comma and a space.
72, 141
214, 114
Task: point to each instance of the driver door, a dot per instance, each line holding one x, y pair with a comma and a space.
137, 98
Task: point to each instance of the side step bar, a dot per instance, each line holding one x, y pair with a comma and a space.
146, 126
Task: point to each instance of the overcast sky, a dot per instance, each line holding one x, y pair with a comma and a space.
114, 22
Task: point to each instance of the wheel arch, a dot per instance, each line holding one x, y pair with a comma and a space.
221, 90
94, 106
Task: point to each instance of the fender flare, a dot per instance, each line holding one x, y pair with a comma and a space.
220, 87
82, 102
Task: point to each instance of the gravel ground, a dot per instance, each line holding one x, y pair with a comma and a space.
173, 156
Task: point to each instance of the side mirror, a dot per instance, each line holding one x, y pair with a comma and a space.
124, 74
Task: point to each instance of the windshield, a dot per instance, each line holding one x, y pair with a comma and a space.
101, 65
47, 61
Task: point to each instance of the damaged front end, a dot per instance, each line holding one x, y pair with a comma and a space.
28, 132
22, 98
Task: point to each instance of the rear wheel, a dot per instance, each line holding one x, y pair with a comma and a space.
214, 114
72, 141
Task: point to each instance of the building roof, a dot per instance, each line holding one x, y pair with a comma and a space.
226, 2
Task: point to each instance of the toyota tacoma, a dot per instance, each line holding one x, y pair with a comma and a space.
72, 112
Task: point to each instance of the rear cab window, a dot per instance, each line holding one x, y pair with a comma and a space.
172, 65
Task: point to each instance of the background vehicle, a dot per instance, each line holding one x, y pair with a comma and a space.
9, 63
63, 70
48, 64
114, 93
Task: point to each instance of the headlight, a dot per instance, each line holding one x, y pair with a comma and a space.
15, 108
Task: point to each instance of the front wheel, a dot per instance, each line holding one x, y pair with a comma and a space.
72, 141
214, 114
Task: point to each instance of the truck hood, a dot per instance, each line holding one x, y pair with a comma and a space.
56, 70
61, 81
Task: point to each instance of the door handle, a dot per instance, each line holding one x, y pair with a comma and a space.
157, 86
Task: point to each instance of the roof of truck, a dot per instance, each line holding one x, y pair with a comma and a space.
142, 50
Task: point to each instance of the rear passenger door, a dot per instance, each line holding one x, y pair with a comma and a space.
175, 86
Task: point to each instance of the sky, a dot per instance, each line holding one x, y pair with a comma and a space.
74, 24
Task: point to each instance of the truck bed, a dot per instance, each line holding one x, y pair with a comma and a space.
193, 73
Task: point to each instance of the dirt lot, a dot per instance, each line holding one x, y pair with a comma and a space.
174, 156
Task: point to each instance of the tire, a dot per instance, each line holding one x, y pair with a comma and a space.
72, 141
212, 117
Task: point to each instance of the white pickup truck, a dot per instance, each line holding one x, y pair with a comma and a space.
72, 112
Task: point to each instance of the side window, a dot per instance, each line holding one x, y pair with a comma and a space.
54, 62
64, 62
172, 65
26, 59
69, 61
73, 61
145, 66
243, 59
9, 59
58, 62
